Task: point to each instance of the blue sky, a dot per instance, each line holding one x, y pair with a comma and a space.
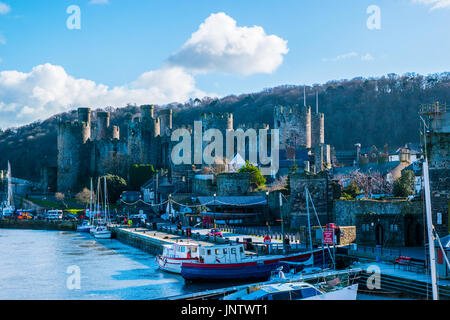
120, 42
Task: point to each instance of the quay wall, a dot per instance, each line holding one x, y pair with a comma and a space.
143, 242
39, 225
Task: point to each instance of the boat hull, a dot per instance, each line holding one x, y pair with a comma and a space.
347, 293
172, 265
103, 235
86, 229
249, 271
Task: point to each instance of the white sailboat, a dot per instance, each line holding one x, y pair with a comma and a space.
87, 225
102, 231
8, 208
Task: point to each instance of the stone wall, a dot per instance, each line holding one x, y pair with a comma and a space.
390, 223
233, 184
319, 186
440, 199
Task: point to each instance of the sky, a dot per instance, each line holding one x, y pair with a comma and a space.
56, 55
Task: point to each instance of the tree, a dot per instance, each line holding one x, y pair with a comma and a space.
351, 191
140, 174
256, 176
292, 170
404, 186
116, 185
84, 196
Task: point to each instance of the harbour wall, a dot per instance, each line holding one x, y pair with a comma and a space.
39, 225
143, 242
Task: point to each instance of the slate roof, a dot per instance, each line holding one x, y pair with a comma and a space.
233, 201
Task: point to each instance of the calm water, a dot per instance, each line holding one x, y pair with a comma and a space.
33, 265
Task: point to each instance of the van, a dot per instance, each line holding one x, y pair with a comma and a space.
54, 214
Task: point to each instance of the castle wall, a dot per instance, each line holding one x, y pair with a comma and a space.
294, 124
319, 186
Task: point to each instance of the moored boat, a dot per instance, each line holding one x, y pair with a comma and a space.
229, 263
174, 255
297, 291
85, 227
102, 232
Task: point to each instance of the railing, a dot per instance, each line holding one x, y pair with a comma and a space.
381, 251
433, 108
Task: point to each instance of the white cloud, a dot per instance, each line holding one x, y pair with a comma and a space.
367, 57
341, 57
48, 89
2, 38
435, 4
219, 45
350, 55
99, 2
4, 8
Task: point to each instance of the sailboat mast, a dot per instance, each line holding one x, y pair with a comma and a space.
9, 200
430, 230
309, 222
90, 202
106, 204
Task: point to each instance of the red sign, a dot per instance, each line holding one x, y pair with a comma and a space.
328, 237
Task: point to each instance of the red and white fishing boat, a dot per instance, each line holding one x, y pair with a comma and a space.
175, 254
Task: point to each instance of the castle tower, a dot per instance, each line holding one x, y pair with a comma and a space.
166, 121
103, 119
72, 159
116, 132
147, 113
84, 115
294, 124
317, 129
143, 138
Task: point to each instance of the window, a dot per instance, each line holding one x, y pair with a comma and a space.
194, 249
241, 249
233, 250
224, 251
209, 252
217, 251
182, 249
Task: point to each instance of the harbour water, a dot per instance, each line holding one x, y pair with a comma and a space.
38, 264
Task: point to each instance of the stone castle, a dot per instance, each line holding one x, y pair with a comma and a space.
89, 148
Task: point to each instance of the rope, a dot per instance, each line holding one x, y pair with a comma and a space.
146, 203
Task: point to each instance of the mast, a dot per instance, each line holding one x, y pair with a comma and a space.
304, 96
309, 222
430, 230
431, 249
90, 203
9, 199
106, 203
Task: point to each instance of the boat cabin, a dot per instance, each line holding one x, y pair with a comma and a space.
232, 253
180, 250
282, 291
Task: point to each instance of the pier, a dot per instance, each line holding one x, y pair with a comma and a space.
39, 225
395, 280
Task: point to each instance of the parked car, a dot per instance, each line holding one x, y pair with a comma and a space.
215, 233
70, 216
